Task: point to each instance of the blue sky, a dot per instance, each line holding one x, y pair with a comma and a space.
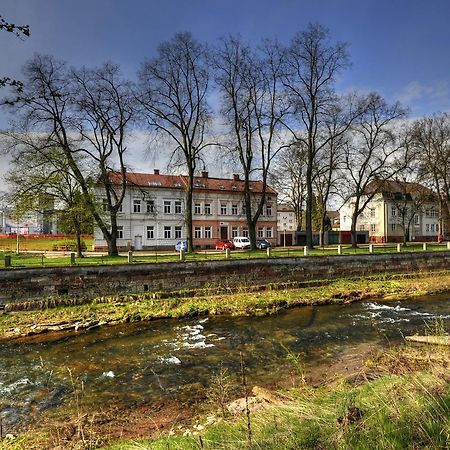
397, 47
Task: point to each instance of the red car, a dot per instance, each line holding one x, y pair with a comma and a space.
223, 245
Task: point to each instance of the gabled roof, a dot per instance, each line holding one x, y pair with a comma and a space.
203, 183
399, 189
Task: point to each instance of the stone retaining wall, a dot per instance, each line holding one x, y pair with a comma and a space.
25, 284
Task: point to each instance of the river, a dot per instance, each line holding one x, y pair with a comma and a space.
142, 363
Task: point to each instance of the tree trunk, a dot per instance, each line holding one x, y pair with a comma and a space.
309, 207
188, 219
353, 231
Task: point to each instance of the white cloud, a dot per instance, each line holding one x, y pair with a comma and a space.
434, 95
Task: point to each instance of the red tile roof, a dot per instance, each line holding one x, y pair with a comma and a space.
180, 181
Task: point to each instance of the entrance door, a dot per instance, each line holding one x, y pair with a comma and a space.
138, 242
223, 233
287, 239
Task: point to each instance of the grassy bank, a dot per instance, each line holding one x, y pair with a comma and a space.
147, 306
406, 405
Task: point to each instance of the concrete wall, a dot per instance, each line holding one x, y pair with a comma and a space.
23, 284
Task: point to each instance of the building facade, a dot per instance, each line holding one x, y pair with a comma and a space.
398, 210
153, 211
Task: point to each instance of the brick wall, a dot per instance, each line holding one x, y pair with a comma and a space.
22, 284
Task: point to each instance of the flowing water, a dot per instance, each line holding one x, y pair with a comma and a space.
171, 359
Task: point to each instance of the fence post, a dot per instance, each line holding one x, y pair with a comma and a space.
339, 249
7, 261
425, 246
72, 259
370, 248
269, 252
182, 255
399, 247
227, 253
130, 256
305, 250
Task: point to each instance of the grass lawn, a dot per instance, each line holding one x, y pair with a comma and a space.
38, 253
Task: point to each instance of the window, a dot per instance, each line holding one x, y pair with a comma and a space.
269, 209
245, 232
234, 232
260, 232
427, 213
167, 207
197, 232
223, 209
120, 232
244, 210
361, 228
150, 206
269, 233
136, 206
432, 227
208, 233
197, 208
433, 213
178, 231
393, 227
234, 210
167, 232
416, 219
105, 205
207, 209
120, 208
427, 227
150, 232
393, 211
372, 212
178, 207
372, 227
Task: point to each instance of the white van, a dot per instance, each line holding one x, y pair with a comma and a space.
241, 242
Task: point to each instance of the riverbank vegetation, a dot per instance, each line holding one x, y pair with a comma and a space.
76, 313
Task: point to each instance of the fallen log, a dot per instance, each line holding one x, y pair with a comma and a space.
433, 340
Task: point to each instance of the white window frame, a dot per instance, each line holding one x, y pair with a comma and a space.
137, 206
178, 207
150, 232
167, 207
269, 232
167, 232
178, 231
208, 232
197, 232
120, 232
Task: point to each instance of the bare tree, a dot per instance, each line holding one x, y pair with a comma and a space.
288, 178
253, 107
86, 115
312, 65
431, 145
373, 154
173, 95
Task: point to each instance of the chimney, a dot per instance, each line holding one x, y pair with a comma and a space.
235, 176
156, 171
204, 174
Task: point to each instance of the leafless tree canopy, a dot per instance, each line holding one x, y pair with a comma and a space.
173, 96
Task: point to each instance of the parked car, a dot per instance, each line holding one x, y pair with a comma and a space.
263, 244
224, 244
241, 242
182, 245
